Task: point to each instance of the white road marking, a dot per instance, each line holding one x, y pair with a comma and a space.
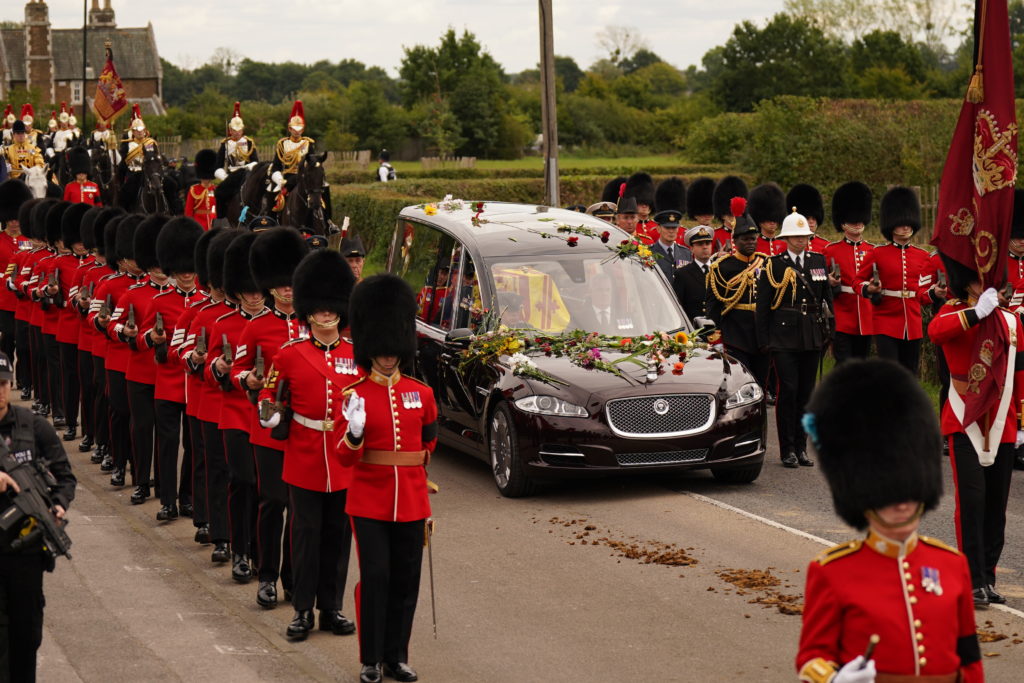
247, 650
154, 570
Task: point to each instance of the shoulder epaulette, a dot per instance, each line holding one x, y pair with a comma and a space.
138, 284
358, 382
952, 302
914, 246
293, 342
224, 140
226, 315
260, 314
108, 277
207, 304
838, 551
938, 544
414, 379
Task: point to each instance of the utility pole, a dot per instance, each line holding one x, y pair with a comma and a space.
85, 58
548, 111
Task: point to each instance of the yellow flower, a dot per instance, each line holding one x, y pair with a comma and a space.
643, 251
430, 209
682, 338
514, 345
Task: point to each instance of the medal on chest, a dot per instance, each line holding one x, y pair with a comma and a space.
345, 366
930, 580
411, 399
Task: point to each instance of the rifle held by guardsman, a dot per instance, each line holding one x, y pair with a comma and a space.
280, 432
106, 308
226, 351
130, 321
201, 342
259, 367
159, 350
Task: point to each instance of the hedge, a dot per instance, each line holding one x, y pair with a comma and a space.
356, 176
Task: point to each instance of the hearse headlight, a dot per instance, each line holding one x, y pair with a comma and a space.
549, 405
747, 394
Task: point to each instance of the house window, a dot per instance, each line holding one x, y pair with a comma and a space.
76, 91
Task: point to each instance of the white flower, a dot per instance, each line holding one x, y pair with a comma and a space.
520, 361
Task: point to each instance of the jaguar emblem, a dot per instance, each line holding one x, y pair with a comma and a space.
661, 406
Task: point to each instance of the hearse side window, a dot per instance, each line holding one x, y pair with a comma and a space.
462, 307
424, 261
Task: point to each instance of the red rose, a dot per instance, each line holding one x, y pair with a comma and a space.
571, 241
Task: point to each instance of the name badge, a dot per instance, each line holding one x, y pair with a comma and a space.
411, 399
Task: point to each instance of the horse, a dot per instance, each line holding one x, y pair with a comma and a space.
304, 207
35, 178
252, 197
228, 196
104, 174
151, 194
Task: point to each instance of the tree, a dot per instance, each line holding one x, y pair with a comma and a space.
887, 49
620, 42
569, 72
928, 21
641, 58
227, 60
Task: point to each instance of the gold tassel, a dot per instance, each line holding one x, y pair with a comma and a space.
976, 88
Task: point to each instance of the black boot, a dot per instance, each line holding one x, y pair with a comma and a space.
334, 620
71, 433
86, 444
302, 624
370, 673
186, 509
26, 393
59, 422
166, 513
108, 465
994, 597
140, 495
400, 671
981, 600
221, 553
789, 460
117, 478
241, 570
203, 534
803, 460
266, 594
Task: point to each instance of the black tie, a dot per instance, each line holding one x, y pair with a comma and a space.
800, 262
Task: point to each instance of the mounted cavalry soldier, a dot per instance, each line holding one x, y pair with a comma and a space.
65, 136
132, 152
8, 120
35, 137
289, 153
22, 154
238, 150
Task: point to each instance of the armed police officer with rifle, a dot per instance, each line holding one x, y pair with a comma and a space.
36, 487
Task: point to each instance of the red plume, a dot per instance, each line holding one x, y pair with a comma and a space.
737, 206
622, 190
238, 109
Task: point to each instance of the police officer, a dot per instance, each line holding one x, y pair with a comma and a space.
26, 437
690, 283
794, 300
388, 425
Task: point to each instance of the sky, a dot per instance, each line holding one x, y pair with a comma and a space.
375, 31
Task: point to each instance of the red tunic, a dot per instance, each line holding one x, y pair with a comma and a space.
235, 408
1014, 270
175, 357
268, 332
400, 416
315, 375
201, 205
141, 363
117, 352
723, 238
877, 586
854, 313
10, 247
71, 269
906, 275
771, 247
49, 318
818, 245
83, 193
88, 338
647, 231
25, 262
207, 397
170, 376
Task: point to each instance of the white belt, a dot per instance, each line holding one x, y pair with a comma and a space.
318, 425
899, 293
846, 289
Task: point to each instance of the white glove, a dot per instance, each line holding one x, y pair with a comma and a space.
1020, 438
220, 174
49, 152
272, 421
251, 165
987, 302
852, 673
278, 179
355, 413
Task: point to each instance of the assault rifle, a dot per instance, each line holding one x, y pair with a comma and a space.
31, 514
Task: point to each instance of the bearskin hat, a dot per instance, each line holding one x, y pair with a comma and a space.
25, 217
39, 218
728, 187
238, 278
80, 161
851, 204
110, 240
54, 218
13, 193
640, 187
88, 227
900, 206
275, 255
71, 224
215, 256
611, 190
852, 405
206, 164
125, 243
699, 198
352, 246
1016, 225
176, 245
807, 201
201, 255
670, 196
144, 242
767, 204
105, 238
383, 319
323, 282
958, 276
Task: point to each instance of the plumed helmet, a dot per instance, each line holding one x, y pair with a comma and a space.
28, 114
640, 187
137, 122
88, 227
54, 218
728, 187
201, 255
699, 198
852, 405
670, 195
275, 255
126, 227
9, 115
1017, 224
851, 204
206, 164
13, 193
297, 120
25, 217
176, 245
39, 214
610, 193
767, 203
383, 320
958, 276
236, 123
807, 201
71, 224
352, 246
64, 115
900, 206
323, 282
238, 278
80, 161
144, 242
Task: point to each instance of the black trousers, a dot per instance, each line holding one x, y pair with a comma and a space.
273, 500
142, 424
69, 381
195, 433
756, 363
906, 352
168, 416
241, 490
23, 369
796, 372
40, 381
21, 615
321, 543
390, 559
185, 471
100, 405
846, 346
8, 338
88, 392
120, 421
216, 482
51, 349
981, 497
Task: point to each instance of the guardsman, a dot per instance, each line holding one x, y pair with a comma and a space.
312, 373
794, 302
691, 281
13, 195
808, 203
672, 194
767, 206
237, 151
21, 154
352, 249
81, 189
700, 201
904, 280
1015, 264
70, 266
723, 201
274, 256
47, 294
981, 453
671, 200
26, 283
175, 252
387, 424
851, 212
893, 604
640, 187
200, 202
732, 298
133, 152
22, 261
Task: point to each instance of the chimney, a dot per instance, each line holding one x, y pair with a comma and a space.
101, 18
39, 49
